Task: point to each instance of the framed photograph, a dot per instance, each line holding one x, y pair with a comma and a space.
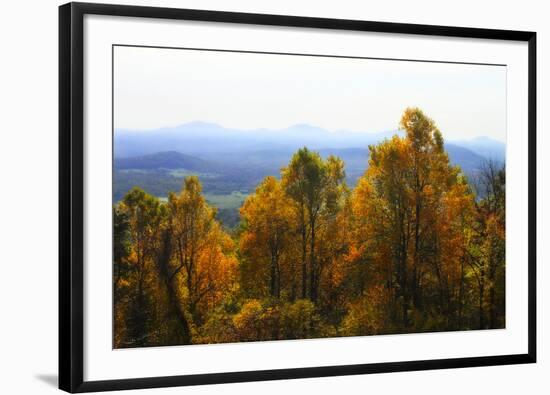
251, 197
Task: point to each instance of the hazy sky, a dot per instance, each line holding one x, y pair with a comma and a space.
166, 87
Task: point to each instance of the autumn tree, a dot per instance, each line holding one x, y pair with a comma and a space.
300, 180
333, 242
173, 263
313, 185
121, 251
200, 245
268, 221
408, 197
487, 251
144, 218
122, 272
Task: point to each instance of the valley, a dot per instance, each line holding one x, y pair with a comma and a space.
159, 160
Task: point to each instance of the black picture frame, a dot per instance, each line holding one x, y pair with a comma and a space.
71, 172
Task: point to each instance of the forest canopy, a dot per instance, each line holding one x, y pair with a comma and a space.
413, 247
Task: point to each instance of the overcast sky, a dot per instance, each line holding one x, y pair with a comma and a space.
166, 87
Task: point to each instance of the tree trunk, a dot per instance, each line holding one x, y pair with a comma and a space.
278, 271
404, 283
492, 307
480, 302
163, 262
414, 280
313, 265
273, 276
292, 281
461, 294
304, 255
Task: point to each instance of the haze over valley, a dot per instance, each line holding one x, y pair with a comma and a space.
230, 163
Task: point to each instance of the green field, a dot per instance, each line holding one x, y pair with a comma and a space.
181, 173
228, 206
234, 200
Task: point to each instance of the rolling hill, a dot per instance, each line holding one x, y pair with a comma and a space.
164, 160
230, 163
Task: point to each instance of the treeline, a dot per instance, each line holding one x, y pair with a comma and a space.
409, 249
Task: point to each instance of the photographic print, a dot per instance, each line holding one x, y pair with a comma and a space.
266, 196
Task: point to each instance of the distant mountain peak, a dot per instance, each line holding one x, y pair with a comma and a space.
484, 146
199, 138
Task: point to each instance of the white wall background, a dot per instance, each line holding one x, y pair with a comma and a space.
28, 202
